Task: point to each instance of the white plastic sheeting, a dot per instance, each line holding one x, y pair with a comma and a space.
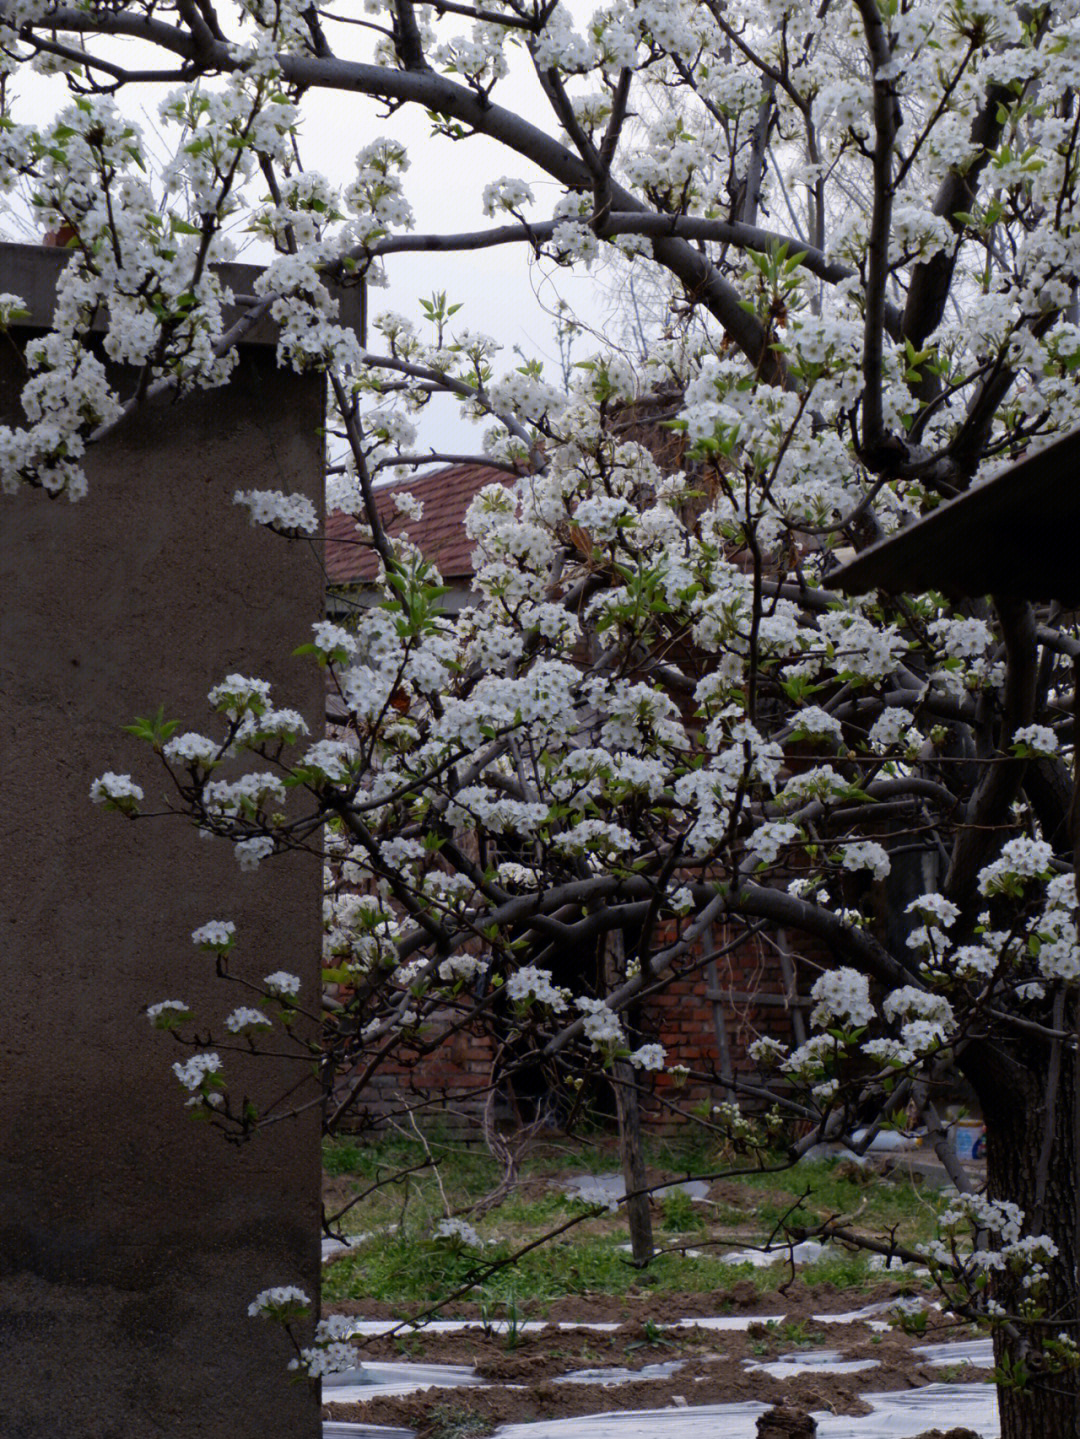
374, 1379
808, 1251
871, 1314
333, 1430
910, 1411
706, 1421
729, 1322
610, 1188
965, 1351
820, 1361
331, 1248
895, 1416
534, 1326
622, 1376
456, 1326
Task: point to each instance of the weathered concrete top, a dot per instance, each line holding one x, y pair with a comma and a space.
32, 271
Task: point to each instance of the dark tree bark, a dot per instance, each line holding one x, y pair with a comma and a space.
1033, 1148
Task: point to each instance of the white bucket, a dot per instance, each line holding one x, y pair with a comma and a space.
968, 1139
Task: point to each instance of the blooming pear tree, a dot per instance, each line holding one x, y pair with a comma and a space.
657, 721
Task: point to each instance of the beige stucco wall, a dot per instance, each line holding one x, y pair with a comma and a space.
131, 1238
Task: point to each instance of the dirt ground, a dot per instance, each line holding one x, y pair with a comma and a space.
520, 1373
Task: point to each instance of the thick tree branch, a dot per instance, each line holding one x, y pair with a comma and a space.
986, 819
444, 97
886, 123
620, 222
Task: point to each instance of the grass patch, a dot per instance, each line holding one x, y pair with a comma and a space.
342, 1156
840, 1187
408, 1270
843, 1269
405, 1265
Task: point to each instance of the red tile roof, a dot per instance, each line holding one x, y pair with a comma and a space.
446, 495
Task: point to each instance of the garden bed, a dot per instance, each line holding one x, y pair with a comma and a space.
576, 1330
528, 1382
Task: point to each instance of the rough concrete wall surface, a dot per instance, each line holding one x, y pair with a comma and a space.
131, 1238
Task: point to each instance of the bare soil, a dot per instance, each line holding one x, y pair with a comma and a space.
520, 1372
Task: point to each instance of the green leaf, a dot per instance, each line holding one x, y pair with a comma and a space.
155, 729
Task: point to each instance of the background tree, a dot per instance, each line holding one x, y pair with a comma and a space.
657, 713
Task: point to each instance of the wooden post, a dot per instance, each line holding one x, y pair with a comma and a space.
628, 1112
719, 1018
632, 1155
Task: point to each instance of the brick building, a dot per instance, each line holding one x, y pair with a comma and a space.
730, 991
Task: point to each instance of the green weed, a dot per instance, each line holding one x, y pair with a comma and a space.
653, 1337
447, 1421
797, 1332
911, 1323
680, 1213
512, 1316
340, 1156
841, 1270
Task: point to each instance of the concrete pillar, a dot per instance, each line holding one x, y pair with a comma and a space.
131, 1238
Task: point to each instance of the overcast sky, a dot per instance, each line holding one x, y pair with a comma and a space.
502, 293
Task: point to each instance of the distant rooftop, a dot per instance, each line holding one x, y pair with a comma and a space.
446, 495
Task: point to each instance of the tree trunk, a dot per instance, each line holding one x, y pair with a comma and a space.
1032, 1160
628, 1111
638, 1214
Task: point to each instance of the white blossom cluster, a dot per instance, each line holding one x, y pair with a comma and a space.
506, 195
654, 695
648, 1056
252, 791
841, 996
1037, 739
250, 853
246, 1018
769, 839
282, 985
216, 934
167, 1012
237, 695
282, 1302
601, 1024
530, 983
891, 727
292, 514
460, 1232
1021, 860
116, 791
194, 1073
193, 749
866, 854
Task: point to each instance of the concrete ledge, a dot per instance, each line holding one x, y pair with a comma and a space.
32, 271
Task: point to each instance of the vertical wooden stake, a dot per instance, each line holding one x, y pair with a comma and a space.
628, 1112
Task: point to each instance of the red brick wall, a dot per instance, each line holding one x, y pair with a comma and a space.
681, 1017
449, 1085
